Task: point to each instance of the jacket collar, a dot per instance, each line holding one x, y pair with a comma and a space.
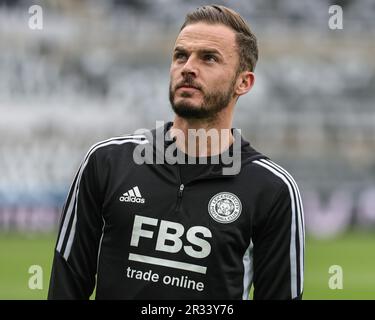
163, 144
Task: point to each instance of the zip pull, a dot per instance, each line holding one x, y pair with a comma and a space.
181, 190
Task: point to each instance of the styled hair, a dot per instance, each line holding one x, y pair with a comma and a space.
245, 39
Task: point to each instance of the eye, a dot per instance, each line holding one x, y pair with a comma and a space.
209, 58
180, 56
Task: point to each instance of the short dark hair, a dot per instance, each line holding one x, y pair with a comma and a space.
246, 40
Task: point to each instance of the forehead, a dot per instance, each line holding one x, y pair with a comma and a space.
202, 35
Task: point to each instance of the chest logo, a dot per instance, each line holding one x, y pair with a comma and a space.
133, 195
224, 207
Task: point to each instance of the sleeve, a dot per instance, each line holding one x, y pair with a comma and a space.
278, 252
75, 257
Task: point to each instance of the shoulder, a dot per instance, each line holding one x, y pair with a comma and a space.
272, 171
271, 178
115, 145
277, 181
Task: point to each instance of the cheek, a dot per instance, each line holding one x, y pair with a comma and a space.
174, 70
218, 83
173, 78
224, 81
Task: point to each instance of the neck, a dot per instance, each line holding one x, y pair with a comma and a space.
202, 138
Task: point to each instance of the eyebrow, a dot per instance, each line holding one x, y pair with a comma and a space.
200, 51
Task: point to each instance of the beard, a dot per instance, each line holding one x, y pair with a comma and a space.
213, 102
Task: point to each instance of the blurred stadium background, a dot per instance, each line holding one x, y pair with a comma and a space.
99, 69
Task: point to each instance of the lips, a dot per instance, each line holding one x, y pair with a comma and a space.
187, 87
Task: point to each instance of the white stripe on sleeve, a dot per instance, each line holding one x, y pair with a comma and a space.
297, 222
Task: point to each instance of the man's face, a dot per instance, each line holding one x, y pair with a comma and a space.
203, 70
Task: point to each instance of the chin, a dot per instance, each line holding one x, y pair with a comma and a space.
188, 102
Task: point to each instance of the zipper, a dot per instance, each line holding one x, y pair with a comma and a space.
197, 179
179, 196
180, 191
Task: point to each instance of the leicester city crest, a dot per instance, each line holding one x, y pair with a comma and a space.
224, 207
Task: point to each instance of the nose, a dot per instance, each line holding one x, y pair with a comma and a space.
190, 68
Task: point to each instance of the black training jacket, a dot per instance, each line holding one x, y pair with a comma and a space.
139, 231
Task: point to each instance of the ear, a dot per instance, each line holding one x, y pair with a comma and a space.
245, 82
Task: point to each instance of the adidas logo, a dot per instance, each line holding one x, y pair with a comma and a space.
132, 195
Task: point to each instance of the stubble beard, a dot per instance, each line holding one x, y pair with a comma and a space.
213, 102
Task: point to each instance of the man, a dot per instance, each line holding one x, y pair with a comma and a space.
182, 230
